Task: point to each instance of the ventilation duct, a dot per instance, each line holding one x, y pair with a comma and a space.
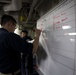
5, 1
31, 10
15, 5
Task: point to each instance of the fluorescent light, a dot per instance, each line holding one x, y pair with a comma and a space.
71, 33
66, 27
72, 40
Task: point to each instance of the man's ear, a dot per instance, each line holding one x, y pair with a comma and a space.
9, 23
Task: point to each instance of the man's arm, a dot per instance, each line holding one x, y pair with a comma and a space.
36, 41
17, 44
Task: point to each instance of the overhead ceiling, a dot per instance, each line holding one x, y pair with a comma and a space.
22, 10
26, 12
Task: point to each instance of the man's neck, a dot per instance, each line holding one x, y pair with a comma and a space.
5, 27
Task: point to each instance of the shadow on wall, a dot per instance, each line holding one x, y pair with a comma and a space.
41, 54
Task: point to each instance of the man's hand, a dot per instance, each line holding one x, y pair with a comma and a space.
37, 32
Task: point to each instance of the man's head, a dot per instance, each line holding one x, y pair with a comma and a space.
24, 33
8, 22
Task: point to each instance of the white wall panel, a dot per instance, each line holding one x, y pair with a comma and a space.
64, 32
64, 46
58, 39
64, 53
75, 73
66, 39
75, 59
59, 69
63, 60
64, 6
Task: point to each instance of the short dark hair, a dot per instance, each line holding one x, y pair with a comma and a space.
25, 31
6, 18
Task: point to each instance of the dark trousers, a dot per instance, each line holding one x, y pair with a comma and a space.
30, 63
27, 64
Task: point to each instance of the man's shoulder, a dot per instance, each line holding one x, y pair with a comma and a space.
14, 35
3, 33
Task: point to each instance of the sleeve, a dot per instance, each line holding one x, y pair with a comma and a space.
16, 43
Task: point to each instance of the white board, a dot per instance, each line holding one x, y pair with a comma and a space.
58, 38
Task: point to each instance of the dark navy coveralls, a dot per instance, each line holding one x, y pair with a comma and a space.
11, 45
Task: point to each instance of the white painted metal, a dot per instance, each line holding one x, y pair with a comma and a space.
58, 40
